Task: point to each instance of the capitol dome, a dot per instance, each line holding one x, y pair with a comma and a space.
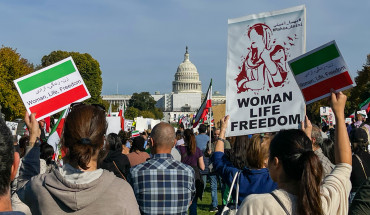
187, 77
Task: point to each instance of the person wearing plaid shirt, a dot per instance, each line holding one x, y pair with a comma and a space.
163, 185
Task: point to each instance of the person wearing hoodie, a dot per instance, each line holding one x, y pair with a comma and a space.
78, 187
115, 161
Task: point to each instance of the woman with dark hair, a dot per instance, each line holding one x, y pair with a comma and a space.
137, 153
47, 153
79, 187
193, 156
250, 159
115, 161
328, 149
298, 172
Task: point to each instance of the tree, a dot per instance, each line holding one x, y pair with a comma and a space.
12, 66
131, 113
361, 92
147, 114
88, 67
145, 103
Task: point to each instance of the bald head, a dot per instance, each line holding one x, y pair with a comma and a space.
163, 135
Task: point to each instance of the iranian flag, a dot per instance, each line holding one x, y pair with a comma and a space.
56, 134
135, 133
121, 115
365, 105
51, 89
352, 115
204, 108
319, 71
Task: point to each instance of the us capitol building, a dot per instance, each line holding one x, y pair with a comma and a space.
185, 98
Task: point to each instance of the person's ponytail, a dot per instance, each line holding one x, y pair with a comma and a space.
309, 201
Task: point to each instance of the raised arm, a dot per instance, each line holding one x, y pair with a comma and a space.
220, 144
342, 148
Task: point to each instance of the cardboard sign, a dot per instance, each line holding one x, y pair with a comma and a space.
52, 89
261, 93
319, 71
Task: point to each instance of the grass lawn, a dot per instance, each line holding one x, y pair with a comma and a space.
205, 205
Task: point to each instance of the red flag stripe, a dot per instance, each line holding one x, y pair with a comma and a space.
59, 101
321, 88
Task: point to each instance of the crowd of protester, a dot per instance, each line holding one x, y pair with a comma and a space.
311, 170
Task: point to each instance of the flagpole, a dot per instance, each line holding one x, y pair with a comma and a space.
210, 120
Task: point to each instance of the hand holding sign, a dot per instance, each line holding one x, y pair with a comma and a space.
307, 127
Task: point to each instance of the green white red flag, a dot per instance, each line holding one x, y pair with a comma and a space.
320, 70
135, 133
52, 89
365, 105
55, 135
204, 108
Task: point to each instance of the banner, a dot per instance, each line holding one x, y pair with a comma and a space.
319, 71
261, 93
52, 89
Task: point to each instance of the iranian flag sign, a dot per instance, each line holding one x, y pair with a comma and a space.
52, 89
261, 93
319, 71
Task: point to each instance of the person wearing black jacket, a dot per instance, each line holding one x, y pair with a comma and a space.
115, 161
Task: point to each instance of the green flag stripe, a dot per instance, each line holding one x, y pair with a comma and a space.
315, 59
364, 103
46, 76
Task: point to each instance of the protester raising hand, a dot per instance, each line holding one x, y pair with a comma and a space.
342, 148
33, 127
307, 127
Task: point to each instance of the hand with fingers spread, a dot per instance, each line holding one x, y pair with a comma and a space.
33, 127
307, 127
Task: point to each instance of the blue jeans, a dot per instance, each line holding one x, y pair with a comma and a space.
213, 182
193, 207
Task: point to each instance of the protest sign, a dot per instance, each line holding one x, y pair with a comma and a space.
114, 124
362, 112
324, 111
348, 121
12, 126
52, 89
319, 71
261, 93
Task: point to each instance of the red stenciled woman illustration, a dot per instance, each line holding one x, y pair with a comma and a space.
264, 66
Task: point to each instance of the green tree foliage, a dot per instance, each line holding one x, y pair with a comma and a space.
142, 101
147, 114
131, 113
361, 92
12, 66
145, 103
88, 67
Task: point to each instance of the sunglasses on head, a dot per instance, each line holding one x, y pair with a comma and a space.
80, 104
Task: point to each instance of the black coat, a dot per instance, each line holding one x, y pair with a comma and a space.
120, 160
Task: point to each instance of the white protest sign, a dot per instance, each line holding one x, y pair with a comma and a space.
51, 89
362, 112
12, 126
348, 120
319, 71
261, 93
324, 111
114, 124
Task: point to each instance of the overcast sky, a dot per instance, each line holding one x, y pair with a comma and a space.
139, 44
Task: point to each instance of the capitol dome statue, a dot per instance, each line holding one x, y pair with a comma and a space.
187, 77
